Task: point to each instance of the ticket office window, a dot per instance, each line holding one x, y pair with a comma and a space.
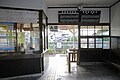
28, 37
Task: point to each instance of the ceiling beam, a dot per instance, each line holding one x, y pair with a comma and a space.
14, 8
56, 7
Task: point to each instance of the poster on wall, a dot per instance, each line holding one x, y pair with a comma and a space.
6, 36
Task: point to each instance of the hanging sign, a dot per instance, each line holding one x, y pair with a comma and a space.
54, 28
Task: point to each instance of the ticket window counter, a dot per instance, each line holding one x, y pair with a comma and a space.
28, 38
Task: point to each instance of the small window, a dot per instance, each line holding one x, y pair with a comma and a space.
83, 45
98, 45
91, 40
98, 30
83, 31
98, 40
91, 31
84, 40
91, 45
106, 30
106, 43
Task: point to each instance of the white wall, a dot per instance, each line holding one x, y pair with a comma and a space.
53, 14
115, 20
44, 7
29, 4
104, 18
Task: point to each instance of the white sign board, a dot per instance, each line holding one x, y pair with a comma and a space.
59, 45
19, 16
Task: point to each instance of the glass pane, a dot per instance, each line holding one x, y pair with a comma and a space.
26, 26
91, 45
31, 38
98, 30
91, 31
98, 40
91, 40
83, 40
83, 30
83, 45
106, 40
84, 33
105, 27
106, 43
36, 36
83, 27
98, 45
106, 46
105, 30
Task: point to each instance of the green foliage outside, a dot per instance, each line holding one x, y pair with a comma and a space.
52, 45
71, 38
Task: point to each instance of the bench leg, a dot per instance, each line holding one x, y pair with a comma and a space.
69, 66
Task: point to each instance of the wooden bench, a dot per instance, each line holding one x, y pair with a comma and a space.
71, 57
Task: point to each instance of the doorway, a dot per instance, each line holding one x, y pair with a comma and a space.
62, 37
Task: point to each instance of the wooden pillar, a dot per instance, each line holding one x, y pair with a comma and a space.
78, 55
40, 32
21, 27
31, 35
41, 40
44, 37
69, 66
47, 31
16, 37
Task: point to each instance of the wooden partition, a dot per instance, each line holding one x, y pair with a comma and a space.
93, 55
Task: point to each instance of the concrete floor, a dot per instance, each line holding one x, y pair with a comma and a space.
58, 70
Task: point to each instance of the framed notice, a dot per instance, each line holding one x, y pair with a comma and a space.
59, 45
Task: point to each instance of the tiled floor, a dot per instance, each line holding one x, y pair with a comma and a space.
87, 71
